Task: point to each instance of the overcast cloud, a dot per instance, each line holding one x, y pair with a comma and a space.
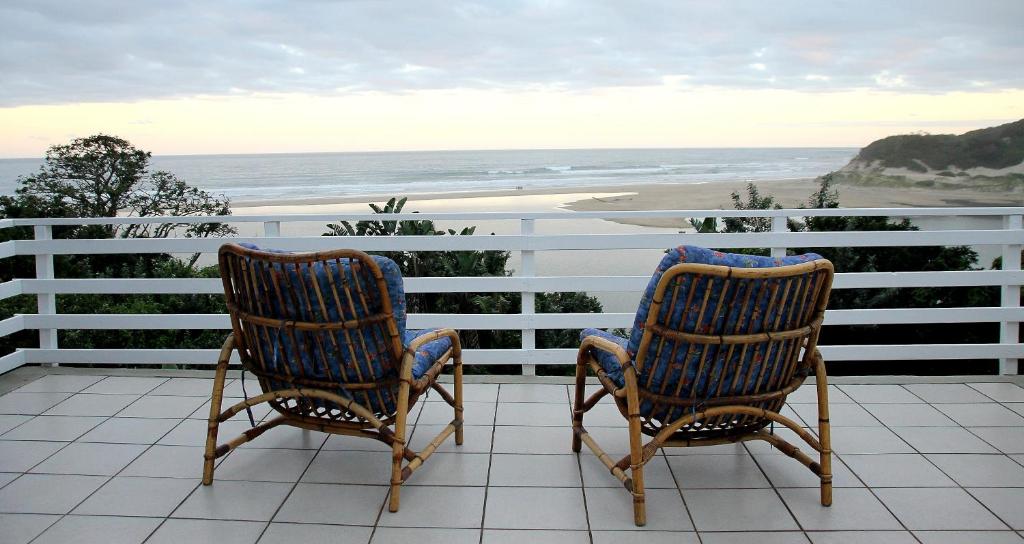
54, 52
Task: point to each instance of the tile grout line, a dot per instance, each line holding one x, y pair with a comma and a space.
490, 463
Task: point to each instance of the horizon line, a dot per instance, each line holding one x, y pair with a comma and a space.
478, 150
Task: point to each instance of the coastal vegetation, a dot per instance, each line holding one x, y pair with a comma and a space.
987, 159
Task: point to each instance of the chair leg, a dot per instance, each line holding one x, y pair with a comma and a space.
577, 407
398, 448
458, 400
216, 399
636, 451
824, 433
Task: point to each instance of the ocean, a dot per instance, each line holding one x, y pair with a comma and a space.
277, 177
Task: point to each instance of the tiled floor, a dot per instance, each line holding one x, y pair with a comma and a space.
117, 459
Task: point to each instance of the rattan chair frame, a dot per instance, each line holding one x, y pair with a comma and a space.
719, 419
293, 405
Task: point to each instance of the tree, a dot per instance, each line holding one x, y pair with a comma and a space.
106, 176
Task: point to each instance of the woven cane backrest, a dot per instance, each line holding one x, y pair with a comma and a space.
332, 320
710, 334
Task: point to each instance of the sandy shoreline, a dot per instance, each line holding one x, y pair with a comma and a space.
710, 195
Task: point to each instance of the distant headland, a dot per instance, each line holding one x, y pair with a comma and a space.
988, 159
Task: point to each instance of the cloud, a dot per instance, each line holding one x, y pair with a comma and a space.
98, 51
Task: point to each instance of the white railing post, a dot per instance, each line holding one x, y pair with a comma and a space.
46, 302
272, 229
1009, 331
528, 268
779, 225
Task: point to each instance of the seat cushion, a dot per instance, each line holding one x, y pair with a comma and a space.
428, 353
608, 361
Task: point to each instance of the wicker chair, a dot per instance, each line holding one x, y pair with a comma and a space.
325, 335
718, 342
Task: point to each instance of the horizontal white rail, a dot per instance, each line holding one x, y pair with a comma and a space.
502, 284
1009, 238
538, 242
495, 216
888, 316
899, 352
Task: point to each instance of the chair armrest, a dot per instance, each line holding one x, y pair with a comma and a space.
430, 336
609, 347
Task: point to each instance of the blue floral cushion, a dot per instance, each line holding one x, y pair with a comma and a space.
361, 355
428, 353
608, 361
663, 365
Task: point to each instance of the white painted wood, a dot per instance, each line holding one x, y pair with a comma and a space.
528, 269
903, 352
272, 229
543, 284
1009, 329
46, 303
12, 360
8, 249
556, 215
779, 225
537, 242
10, 289
888, 316
12, 325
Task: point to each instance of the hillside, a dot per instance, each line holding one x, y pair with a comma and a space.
987, 159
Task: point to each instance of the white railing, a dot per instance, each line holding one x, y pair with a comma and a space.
1007, 236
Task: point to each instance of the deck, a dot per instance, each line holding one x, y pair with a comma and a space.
116, 456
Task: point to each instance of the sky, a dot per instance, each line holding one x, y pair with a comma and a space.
308, 75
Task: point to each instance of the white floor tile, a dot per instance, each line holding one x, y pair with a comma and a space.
162, 407
982, 415
131, 496
938, 509
944, 393
1005, 502
1006, 439
783, 471
22, 528
19, 456
277, 533
84, 404
186, 387
717, 472
535, 508
125, 385
468, 469
518, 536
516, 392
753, 537
350, 467
129, 430
612, 509
425, 506
852, 509
862, 537
57, 383
89, 458
540, 440
970, 470
176, 531
168, 462
879, 393
656, 473
332, 503
422, 535
264, 465
99, 530
47, 493
1000, 391
249, 501
973, 537
943, 440
537, 414
58, 428
909, 415
30, 404
738, 510
897, 470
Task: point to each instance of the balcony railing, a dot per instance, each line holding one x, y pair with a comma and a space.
1005, 235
